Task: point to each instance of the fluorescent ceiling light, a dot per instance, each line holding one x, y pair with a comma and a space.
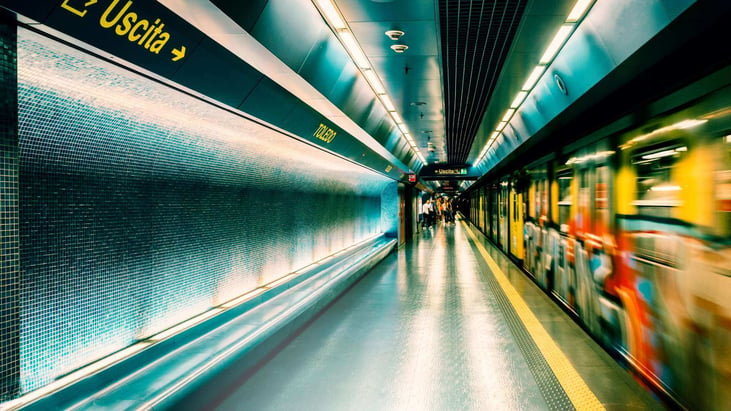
331, 14
403, 127
374, 81
563, 33
397, 119
578, 11
501, 125
354, 49
519, 99
533, 78
387, 102
508, 114
494, 135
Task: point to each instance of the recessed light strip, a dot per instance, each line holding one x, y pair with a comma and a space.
557, 43
331, 14
335, 20
374, 81
579, 10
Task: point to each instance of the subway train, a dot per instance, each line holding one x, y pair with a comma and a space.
629, 230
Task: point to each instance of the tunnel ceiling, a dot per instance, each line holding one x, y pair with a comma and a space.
465, 61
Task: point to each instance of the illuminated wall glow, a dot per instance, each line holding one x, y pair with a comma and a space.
141, 207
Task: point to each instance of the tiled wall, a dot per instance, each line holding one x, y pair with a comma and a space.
141, 207
9, 263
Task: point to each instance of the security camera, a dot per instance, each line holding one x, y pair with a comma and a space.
394, 34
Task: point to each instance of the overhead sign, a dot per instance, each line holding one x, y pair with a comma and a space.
450, 171
142, 32
146, 30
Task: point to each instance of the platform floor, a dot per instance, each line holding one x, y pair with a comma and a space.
435, 327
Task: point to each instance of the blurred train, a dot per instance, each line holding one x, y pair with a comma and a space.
631, 232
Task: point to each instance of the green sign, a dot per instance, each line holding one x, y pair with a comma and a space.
142, 32
450, 171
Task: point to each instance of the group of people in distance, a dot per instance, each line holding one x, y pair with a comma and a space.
435, 210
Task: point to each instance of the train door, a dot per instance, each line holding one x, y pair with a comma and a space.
494, 205
516, 206
485, 210
504, 218
480, 208
603, 263
536, 227
564, 261
594, 245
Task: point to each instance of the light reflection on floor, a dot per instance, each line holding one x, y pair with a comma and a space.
421, 332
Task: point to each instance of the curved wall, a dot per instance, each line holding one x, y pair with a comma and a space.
141, 206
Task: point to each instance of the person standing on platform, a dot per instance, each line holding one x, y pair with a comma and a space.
426, 212
448, 211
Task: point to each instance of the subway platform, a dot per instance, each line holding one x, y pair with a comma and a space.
445, 323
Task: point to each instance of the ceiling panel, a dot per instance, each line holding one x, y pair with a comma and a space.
476, 36
414, 76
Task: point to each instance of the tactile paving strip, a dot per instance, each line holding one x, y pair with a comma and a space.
559, 382
549, 385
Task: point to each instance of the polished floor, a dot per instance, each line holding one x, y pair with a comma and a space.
431, 328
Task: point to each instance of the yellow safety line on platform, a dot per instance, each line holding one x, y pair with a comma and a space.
578, 392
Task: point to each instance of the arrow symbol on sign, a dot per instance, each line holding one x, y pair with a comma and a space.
80, 13
179, 54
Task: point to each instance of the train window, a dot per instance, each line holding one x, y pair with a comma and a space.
504, 218
564, 200
657, 192
538, 199
543, 200
494, 212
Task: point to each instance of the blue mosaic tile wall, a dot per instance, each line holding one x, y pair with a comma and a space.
141, 207
9, 263
390, 210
